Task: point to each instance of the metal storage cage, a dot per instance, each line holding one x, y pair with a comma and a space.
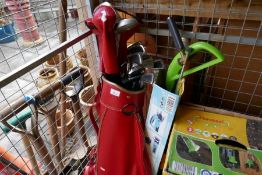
24, 71
232, 26
236, 85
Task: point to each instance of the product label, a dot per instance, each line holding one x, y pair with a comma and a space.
208, 172
181, 168
115, 92
160, 116
211, 126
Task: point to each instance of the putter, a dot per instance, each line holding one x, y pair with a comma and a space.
72, 92
19, 122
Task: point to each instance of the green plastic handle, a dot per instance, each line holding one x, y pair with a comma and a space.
174, 69
18, 121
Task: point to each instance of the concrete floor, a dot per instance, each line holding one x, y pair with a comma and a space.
13, 55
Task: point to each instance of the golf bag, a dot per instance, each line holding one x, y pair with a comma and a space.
121, 147
102, 24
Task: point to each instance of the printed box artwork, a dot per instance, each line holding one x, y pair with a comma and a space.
161, 111
197, 144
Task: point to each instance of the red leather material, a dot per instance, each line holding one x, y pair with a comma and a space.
90, 169
104, 19
121, 149
115, 97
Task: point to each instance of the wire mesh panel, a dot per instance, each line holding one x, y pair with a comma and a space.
37, 134
234, 27
45, 127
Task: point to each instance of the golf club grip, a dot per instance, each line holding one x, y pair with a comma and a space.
175, 33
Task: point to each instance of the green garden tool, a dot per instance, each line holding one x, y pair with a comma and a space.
176, 68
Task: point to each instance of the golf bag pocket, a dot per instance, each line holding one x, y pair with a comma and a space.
121, 148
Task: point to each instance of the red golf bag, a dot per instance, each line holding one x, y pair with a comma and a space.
121, 147
112, 44
102, 24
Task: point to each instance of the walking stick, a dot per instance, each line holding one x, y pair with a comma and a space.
63, 68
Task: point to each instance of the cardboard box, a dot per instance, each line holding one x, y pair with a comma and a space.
208, 141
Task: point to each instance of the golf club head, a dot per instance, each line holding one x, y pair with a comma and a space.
136, 70
148, 78
154, 64
129, 79
135, 48
126, 25
159, 64
135, 58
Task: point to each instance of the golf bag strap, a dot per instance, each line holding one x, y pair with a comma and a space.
95, 105
127, 109
92, 118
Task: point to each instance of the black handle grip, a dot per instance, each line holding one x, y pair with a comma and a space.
175, 33
230, 143
71, 76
